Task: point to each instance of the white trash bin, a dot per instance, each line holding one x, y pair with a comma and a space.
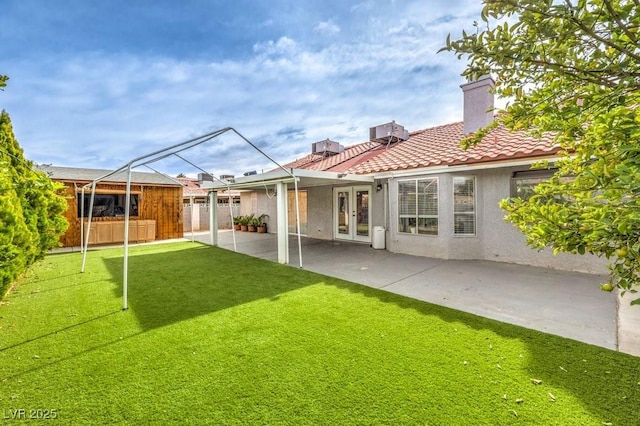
378, 241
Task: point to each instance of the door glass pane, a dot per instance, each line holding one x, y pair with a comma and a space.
343, 212
362, 213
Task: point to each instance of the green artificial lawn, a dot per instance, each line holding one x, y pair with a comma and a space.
215, 337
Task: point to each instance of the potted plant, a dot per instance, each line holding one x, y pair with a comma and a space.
244, 223
262, 225
236, 222
253, 224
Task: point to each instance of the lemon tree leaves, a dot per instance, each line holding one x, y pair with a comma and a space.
571, 69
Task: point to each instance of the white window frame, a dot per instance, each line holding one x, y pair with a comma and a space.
474, 213
418, 216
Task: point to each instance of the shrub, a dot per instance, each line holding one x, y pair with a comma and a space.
31, 209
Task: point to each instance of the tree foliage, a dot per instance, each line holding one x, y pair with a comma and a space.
31, 211
571, 68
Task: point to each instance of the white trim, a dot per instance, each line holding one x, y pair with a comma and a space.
460, 168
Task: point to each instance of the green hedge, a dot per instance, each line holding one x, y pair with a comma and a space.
31, 209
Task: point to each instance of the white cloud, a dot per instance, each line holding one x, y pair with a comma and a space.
327, 28
101, 110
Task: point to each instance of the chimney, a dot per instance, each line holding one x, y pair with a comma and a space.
478, 103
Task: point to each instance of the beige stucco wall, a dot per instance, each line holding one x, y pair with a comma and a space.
495, 239
320, 212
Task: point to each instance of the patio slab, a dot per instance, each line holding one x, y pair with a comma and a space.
563, 303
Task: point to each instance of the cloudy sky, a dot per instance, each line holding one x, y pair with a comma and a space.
97, 83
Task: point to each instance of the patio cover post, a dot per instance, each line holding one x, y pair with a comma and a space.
283, 231
295, 183
213, 217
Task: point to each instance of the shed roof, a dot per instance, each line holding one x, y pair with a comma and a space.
88, 175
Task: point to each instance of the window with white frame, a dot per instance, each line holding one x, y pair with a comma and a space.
464, 205
418, 206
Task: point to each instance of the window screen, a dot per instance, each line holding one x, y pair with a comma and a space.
464, 205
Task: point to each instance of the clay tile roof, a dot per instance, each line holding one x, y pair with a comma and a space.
441, 146
191, 188
323, 162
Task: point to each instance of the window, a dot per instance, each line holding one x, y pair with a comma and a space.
418, 206
107, 205
464, 205
522, 183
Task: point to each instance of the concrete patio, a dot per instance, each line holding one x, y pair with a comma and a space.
567, 304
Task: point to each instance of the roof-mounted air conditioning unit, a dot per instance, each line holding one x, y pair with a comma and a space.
326, 147
388, 133
228, 178
205, 177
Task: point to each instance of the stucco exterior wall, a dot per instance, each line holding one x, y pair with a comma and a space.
320, 212
495, 239
259, 203
505, 243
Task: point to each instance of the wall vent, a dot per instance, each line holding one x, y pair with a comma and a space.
388, 133
326, 147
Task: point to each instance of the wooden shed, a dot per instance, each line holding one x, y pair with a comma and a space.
155, 209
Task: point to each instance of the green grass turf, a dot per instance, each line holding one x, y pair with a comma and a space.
215, 337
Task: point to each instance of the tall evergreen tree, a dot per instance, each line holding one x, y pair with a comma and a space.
31, 209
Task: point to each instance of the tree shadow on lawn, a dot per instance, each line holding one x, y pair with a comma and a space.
176, 285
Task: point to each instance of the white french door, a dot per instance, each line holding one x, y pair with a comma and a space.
351, 213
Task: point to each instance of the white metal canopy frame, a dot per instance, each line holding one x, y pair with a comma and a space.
161, 154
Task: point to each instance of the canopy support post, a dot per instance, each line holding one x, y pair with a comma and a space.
125, 273
283, 231
213, 217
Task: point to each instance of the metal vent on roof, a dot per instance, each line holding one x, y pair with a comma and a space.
388, 133
327, 147
205, 177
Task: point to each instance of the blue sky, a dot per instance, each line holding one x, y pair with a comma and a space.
97, 83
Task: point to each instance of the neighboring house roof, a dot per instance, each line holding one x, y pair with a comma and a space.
89, 175
434, 146
191, 188
334, 162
